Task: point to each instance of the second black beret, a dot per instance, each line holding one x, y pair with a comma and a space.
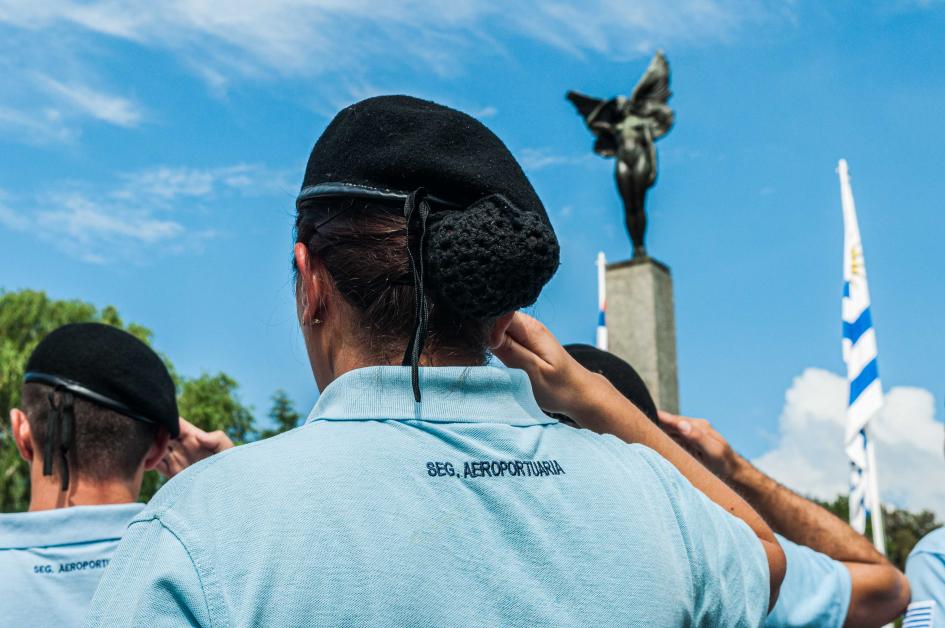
110, 367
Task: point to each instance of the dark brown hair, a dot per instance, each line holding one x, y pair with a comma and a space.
364, 248
107, 445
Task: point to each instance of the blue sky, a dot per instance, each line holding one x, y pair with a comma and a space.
150, 155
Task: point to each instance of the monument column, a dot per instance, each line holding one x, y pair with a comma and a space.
641, 325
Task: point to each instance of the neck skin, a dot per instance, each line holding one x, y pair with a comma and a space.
333, 351
332, 342
336, 361
45, 493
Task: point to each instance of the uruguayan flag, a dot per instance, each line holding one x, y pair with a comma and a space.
601, 302
859, 353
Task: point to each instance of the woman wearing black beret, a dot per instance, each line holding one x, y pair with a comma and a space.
427, 488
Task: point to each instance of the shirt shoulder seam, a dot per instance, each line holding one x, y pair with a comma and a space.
171, 528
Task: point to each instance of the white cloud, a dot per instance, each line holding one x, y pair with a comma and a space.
165, 183
99, 105
50, 51
35, 126
809, 456
486, 112
309, 37
140, 214
11, 219
533, 159
96, 229
86, 221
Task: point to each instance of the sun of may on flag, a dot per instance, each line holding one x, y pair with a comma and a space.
859, 353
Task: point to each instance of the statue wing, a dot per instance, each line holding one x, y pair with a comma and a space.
600, 117
651, 95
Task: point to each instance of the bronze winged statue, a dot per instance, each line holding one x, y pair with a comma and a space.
626, 128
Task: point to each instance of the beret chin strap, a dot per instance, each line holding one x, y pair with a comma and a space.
416, 211
60, 434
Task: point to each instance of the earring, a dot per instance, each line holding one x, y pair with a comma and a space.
316, 321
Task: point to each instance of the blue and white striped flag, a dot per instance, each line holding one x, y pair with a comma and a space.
601, 302
859, 353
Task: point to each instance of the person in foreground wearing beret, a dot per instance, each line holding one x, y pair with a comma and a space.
98, 408
427, 488
834, 577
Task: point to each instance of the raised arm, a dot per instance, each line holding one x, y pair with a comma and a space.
191, 446
562, 385
880, 592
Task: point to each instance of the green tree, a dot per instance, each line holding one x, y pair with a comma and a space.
282, 414
26, 316
903, 528
211, 403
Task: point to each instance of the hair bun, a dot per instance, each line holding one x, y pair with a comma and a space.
490, 258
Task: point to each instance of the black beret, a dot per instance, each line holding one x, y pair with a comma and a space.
491, 247
623, 376
108, 367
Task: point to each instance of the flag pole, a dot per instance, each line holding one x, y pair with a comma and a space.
865, 388
876, 509
601, 302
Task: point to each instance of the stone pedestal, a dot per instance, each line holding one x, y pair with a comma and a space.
641, 327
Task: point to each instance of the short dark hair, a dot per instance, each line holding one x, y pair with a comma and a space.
107, 445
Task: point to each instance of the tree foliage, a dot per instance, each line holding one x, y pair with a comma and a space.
209, 401
282, 414
903, 528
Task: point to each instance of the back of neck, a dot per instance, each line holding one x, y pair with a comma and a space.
46, 493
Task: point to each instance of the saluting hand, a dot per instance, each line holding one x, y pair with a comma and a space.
703, 442
193, 445
559, 382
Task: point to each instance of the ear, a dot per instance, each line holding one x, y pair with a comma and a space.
22, 434
311, 295
157, 450
499, 328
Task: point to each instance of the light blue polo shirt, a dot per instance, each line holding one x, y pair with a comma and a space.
925, 570
472, 508
52, 560
815, 591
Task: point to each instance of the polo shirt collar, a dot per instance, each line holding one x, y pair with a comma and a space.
65, 526
451, 394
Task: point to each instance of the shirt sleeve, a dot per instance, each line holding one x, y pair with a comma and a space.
151, 581
731, 578
926, 573
815, 591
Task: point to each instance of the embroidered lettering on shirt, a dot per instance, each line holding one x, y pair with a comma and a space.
495, 469
81, 565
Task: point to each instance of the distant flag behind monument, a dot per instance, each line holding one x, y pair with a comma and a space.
859, 353
601, 302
